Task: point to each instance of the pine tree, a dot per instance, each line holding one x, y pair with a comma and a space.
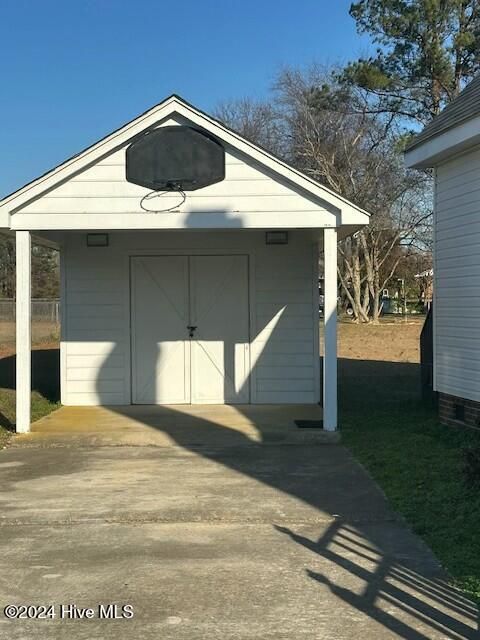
427, 51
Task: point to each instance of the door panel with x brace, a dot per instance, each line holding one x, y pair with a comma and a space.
190, 329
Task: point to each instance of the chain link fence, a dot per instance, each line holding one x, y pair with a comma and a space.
42, 310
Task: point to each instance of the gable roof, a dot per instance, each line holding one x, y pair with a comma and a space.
464, 107
171, 105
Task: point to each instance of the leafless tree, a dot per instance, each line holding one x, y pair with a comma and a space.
257, 121
7, 267
336, 139
328, 131
45, 270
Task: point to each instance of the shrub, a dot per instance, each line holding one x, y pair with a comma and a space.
471, 466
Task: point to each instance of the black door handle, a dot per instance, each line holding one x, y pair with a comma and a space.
191, 331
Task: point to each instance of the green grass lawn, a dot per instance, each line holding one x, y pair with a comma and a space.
416, 461
40, 407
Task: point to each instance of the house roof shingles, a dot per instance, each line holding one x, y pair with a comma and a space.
465, 107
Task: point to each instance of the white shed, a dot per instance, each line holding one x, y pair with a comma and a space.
450, 145
214, 300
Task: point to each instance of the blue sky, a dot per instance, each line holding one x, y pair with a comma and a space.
74, 70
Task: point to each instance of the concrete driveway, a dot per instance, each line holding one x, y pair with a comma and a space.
233, 539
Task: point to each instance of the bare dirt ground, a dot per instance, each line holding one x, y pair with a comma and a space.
45, 335
393, 340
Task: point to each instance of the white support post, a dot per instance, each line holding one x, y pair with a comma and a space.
23, 326
330, 330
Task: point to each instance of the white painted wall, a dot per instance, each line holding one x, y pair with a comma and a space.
284, 313
457, 276
250, 196
104, 189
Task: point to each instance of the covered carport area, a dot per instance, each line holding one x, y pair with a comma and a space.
231, 268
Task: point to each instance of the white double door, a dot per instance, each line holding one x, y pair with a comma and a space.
190, 329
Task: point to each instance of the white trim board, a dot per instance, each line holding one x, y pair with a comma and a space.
173, 220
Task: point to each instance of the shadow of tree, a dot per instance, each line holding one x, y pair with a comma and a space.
45, 373
395, 580
389, 588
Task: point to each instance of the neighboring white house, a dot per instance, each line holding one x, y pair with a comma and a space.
451, 145
197, 304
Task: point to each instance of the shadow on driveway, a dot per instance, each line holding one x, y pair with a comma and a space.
350, 569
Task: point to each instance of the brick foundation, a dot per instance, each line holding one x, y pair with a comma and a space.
455, 411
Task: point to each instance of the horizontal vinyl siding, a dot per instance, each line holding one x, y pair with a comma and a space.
457, 277
283, 345
103, 189
96, 317
97, 327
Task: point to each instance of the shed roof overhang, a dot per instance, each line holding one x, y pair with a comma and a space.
345, 213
